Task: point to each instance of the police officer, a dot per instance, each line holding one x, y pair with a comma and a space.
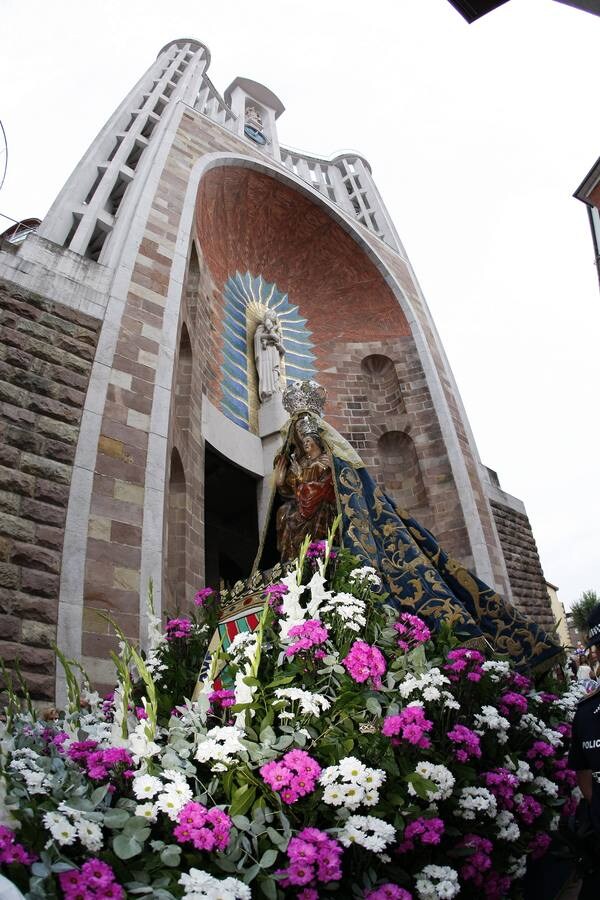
584, 757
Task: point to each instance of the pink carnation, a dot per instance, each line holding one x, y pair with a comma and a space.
539, 845
11, 851
314, 857
502, 784
363, 662
423, 831
95, 879
389, 891
293, 776
479, 862
206, 829
529, 809
409, 725
412, 630
464, 663
202, 596
512, 702
307, 635
539, 751
467, 744
178, 628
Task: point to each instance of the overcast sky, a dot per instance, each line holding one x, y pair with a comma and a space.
477, 136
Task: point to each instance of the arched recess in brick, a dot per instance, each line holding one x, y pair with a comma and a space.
192, 285
382, 385
183, 383
402, 475
176, 534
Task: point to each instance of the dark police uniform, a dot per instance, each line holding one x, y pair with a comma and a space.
585, 755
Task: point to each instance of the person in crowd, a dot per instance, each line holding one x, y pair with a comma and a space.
584, 758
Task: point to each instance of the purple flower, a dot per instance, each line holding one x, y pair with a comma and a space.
424, 831
95, 879
389, 891
467, 744
11, 851
479, 862
412, 630
363, 662
222, 698
539, 845
502, 784
317, 549
293, 776
539, 751
314, 857
178, 628
464, 663
206, 829
512, 702
529, 809
202, 595
307, 635
409, 725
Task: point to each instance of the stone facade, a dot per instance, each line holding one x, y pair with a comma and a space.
46, 354
523, 563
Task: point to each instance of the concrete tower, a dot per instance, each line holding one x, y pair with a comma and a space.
136, 445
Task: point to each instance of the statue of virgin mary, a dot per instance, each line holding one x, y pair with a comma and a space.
268, 352
318, 475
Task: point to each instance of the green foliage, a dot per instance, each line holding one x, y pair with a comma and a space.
583, 608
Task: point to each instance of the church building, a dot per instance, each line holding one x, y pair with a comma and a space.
191, 266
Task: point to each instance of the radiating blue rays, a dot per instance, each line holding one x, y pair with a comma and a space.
246, 294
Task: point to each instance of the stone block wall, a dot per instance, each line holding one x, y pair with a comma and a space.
46, 353
523, 563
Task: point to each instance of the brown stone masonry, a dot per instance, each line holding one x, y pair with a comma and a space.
46, 353
523, 563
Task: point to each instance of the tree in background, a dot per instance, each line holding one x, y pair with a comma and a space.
583, 608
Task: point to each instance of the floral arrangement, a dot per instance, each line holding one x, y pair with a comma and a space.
341, 747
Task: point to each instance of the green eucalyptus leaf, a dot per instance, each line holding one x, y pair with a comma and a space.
62, 867
269, 888
99, 794
39, 869
268, 858
171, 855
373, 706
116, 818
126, 847
251, 873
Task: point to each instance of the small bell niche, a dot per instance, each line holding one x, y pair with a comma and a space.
257, 108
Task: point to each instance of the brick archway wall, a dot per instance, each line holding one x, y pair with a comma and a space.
249, 221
